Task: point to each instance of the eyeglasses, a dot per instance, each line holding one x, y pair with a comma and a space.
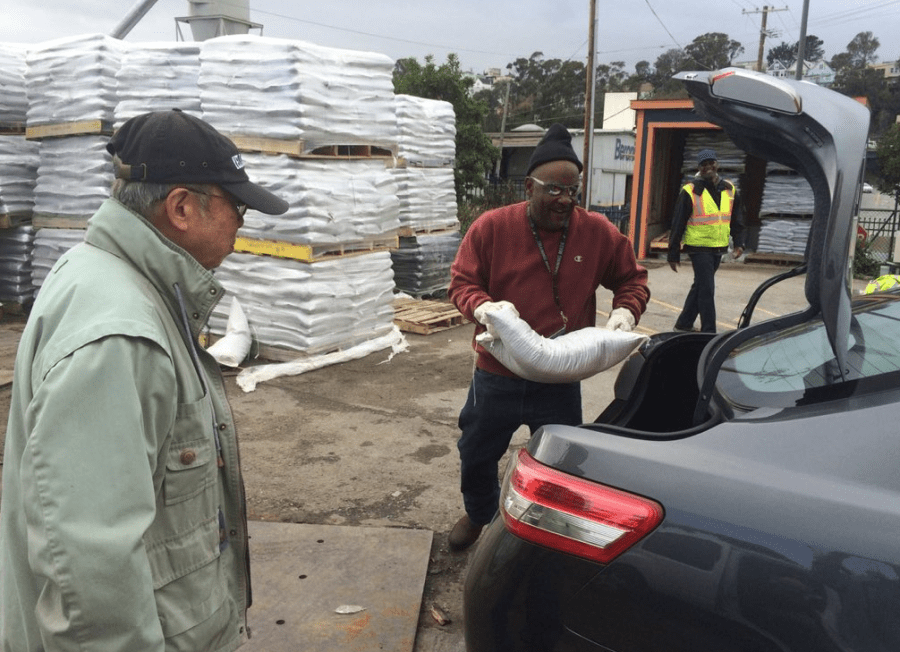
556, 190
239, 206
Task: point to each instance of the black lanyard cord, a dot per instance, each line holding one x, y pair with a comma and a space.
554, 273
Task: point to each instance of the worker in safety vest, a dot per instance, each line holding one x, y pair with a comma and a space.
706, 213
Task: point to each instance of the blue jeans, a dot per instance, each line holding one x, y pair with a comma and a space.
701, 299
495, 408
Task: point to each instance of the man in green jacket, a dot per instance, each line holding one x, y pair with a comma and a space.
123, 523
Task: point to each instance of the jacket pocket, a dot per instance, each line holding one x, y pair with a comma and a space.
190, 462
188, 579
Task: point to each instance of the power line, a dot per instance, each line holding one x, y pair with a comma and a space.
653, 11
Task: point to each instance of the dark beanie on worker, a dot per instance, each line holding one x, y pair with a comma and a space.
556, 145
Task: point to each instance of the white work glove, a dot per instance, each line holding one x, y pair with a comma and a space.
620, 319
488, 307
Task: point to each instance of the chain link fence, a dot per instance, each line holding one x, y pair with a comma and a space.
879, 233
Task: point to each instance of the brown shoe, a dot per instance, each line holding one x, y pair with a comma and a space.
464, 534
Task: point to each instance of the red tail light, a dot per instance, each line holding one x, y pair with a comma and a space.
583, 518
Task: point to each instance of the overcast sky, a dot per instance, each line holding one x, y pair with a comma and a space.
486, 34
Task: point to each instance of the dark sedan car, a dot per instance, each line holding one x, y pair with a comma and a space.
742, 491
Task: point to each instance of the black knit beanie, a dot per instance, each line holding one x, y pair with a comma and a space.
556, 145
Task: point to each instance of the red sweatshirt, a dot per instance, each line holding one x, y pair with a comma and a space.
499, 260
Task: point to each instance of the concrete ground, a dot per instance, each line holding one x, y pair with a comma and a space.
371, 442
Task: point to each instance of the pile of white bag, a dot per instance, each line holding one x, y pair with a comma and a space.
157, 77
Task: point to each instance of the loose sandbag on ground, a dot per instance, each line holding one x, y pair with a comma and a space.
566, 359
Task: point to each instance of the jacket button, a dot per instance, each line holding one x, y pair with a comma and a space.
188, 456
222, 426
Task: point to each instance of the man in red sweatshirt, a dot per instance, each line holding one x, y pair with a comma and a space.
546, 256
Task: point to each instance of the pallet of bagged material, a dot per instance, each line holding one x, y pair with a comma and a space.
312, 253
16, 218
74, 128
425, 317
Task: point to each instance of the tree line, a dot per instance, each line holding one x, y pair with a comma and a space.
542, 91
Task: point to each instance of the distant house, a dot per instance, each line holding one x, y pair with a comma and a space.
817, 72
890, 70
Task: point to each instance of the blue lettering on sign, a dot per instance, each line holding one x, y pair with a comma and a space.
624, 152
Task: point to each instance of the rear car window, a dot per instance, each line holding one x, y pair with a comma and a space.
785, 368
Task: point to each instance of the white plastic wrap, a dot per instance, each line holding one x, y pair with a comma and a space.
158, 77
426, 130
13, 98
49, 246
233, 348
18, 174
16, 247
330, 201
72, 79
310, 308
566, 359
287, 89
74, 176
427, 198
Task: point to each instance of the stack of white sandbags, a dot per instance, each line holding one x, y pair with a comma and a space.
309, 308
786, 212
331, 201
426, 131
285, 90
157, 77
73, 79
288, 89
18, 156
16, 251
49, 246
427, 189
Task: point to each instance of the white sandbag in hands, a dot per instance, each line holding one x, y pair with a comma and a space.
483, 310
566, 359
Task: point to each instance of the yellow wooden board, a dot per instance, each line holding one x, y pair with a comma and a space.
77, 128
310, 253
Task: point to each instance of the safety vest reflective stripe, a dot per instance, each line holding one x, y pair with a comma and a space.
709, 224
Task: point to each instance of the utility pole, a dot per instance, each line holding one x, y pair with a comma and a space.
589, 108
762, 32
801, 44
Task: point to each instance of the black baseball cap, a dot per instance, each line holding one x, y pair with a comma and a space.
175, 147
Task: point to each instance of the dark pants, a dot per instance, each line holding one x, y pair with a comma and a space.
701, 299
495, 408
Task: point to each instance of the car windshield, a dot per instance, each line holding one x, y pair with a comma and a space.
796, 366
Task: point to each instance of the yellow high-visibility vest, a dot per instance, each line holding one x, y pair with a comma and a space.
709, 225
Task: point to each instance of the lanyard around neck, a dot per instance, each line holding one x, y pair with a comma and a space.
554, 272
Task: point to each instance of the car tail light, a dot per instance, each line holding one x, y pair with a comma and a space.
563, 512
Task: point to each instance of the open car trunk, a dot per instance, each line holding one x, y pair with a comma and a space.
668, 389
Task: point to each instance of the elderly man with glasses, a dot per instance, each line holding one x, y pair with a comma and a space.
123, 523
547, 257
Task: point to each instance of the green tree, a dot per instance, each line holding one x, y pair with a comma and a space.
475, 155
546, 91
713, 50
853, 76
888, 153
783, 52
667, 64
814, 49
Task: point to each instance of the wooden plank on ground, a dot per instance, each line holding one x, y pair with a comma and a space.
425, 317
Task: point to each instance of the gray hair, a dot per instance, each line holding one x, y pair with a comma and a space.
144, 198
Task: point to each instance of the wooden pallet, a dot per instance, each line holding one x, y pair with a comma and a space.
19, 218
426, 317
50, 221
76, 128
790, 260
409, 232
12, 128
296, 148
311, 253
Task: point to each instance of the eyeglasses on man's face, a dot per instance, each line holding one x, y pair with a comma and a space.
239, 206
556, 190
